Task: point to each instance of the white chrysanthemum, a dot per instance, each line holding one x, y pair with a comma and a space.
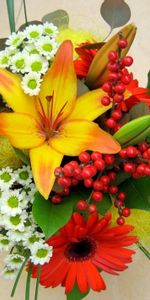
7, 178
33, 32
12, 202
1, 220
31, 191
30, 49
17, 236
4, 59
5, 243
9, 273
18, 63
33, 238
41, 253
15, 222
47, 46
15, 39
14, 261
37, 63
24, 176
50, 29
31, 83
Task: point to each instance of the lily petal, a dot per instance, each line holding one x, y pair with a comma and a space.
44, 160
79, 135
88, 106
60, 82
11, 90
21, 129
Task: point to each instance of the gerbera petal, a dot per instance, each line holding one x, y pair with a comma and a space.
44, 160
88, 106
78, 135
81, 278
12, 92
71, 277
61, 83
95, 280
21, 129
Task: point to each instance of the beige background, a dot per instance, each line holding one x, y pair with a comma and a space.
133, 284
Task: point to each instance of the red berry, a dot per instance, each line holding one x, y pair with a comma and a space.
147, 171
143, 147
111, 123
127, 61
119, 88
140, 169
109, 159
97, 196
64, 181
77, 173
122, 43
126, 79
118, 98
96, 155
129, 168
98, 185
99, 164
118, 203
65, 191
86, 172
84, 157
107, 87
136, 175
145, 155
113, 189
58, 171
88, 182
74, 181
92, 208
105, 188
81, 205
126, 212
112, 55
68, 170
105, 179
74, 163
113, 76
123, 153
113, 66
105, 101
117, 114
112, 175
131, 151
121, 196
120, 221
117, 127
56, 199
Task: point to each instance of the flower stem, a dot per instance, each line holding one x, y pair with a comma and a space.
37, 283
25, 12
18, 276
27, 293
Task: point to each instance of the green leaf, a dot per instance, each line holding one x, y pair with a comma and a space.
121, 177
22, 156
59, 17
11, 15
134, 132
50, 217
76, 294
138, 110
104, 205
138, 193
115, 12
148, 83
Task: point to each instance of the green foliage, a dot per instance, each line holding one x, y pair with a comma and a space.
11, 14
50, 217
59, 17
104, 205
76, 294
22, 156
116, 13
134, 132
148, 83
138, 193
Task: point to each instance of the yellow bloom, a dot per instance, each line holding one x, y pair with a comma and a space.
54, 123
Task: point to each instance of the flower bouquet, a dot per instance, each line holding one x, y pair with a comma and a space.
74, 155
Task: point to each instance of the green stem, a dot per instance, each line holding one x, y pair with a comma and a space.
142, 248
18, 276
25, 12
37, 283
11, 15
27, 293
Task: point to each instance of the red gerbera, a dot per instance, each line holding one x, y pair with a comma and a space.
138, 94
85, 58
83, 248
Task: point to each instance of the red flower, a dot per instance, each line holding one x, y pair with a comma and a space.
138, 94
85, 58
82, 249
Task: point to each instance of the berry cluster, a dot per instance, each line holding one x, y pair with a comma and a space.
115, 87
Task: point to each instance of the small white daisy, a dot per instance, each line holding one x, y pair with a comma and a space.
6, 178
37, 63
50, 29
47, 46
24, 176
31, 83
17, 236
31, 192
9, 273
30, 49
1, 220
15, 222
12, 202
40, 253
14, 261
15, 39
33, 238
33, 32
5, 243
4, 59
18, 63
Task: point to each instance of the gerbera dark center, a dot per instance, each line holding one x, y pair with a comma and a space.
82, 250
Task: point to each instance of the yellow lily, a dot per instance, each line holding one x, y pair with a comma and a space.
54, 123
